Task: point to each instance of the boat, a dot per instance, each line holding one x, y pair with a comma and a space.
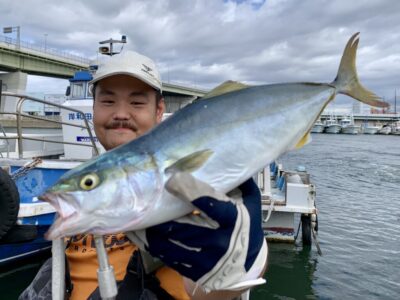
370, 129
395, 128
288, 197
34, 152
318, 127
386, 129
332, 125
24, 237
26, 241
348, 126
25, 174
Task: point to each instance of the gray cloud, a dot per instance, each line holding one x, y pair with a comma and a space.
204, 42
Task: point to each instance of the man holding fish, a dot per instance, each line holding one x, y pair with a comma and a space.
189, 163
215, 252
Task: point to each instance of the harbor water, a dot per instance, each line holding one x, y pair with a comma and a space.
358, 198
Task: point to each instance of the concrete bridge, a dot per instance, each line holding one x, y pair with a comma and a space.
16, 55
19, 58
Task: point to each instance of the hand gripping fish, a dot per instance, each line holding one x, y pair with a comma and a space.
222, 139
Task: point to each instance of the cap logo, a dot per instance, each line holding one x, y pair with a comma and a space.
147, 70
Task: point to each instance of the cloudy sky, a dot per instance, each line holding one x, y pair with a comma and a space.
201, 43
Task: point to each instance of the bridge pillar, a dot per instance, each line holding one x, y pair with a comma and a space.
14, 82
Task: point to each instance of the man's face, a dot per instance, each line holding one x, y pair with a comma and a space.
124, 109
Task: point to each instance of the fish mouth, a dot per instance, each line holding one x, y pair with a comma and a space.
55, 231
63, 207
65, 212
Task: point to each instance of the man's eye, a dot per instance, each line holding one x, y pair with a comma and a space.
137, 103
107, 102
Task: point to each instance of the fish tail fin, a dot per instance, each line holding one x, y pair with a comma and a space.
346, 81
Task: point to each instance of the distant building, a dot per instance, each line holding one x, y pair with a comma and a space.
54, 98
39, 109
364, 109
360, 108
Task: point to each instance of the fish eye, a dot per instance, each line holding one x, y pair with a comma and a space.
89, 181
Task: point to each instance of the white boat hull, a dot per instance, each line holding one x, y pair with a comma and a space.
317, 128
351, 130
385, 130
333, 129
370, 130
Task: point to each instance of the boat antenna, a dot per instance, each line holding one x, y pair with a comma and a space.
108, 50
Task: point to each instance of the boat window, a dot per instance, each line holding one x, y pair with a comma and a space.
88, 95
77, 90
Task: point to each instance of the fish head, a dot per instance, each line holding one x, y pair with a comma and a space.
101, 200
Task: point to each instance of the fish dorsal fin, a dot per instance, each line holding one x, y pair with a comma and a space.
303, 141
190, 162
226, 87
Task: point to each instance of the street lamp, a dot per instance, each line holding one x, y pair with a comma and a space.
12, 29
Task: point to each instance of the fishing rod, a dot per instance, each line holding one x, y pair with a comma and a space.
105, 273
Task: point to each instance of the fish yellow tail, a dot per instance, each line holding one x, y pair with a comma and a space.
347, 81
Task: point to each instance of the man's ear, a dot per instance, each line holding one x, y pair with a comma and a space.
160, 109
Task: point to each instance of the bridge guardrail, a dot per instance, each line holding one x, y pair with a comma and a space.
43, 49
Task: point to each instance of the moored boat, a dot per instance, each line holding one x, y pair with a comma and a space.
24, 220
348, 126
395, 128
332, 125
385, 130
23, 178
286, 195
370, 129
318, 127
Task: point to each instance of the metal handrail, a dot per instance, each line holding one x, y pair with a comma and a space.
19, 114
6, 139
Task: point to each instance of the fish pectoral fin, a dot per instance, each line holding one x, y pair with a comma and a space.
226, 87
190, 162
303, 141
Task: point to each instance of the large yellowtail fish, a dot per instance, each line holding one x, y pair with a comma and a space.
222, 139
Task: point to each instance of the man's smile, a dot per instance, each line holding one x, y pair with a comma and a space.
122, 129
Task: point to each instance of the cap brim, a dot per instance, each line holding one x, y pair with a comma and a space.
145, 80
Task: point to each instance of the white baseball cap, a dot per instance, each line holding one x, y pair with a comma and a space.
129, 63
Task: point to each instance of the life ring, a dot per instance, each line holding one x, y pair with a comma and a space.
9, 202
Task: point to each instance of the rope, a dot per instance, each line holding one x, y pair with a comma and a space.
26, 168
298, 230
315, 239
271, 207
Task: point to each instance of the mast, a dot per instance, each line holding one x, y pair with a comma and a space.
109, 50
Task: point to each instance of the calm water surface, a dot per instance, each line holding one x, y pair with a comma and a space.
358, 197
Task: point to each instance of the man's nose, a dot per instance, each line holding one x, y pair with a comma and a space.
121, 111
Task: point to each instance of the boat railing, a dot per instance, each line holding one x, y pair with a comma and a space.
20, 115
6, 143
